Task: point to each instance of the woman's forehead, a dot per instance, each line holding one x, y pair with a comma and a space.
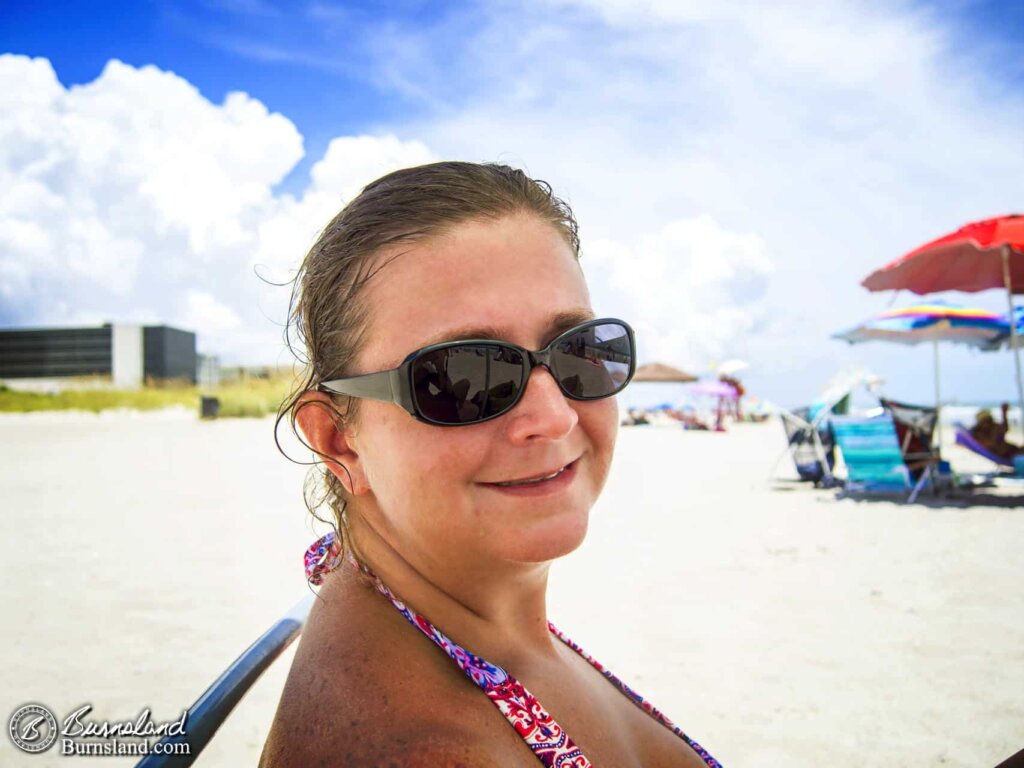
516, 279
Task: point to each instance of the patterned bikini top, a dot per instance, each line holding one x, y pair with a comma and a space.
538, 729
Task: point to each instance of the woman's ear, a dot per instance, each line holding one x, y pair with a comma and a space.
326, 433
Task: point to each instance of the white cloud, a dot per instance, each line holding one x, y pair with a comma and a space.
692, 287
353, 161
134, 198
202, 310
123, 191
348, 165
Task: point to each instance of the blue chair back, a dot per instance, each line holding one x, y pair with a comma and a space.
871, 452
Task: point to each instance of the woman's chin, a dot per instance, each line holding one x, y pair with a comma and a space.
544, 540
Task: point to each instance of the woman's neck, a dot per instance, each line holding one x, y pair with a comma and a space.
496, 610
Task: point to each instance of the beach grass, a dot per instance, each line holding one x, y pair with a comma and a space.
252, 397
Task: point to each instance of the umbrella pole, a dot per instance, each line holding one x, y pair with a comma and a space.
938, 398
1013, 328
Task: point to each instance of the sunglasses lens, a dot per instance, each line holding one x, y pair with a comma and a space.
466, 383
593, 362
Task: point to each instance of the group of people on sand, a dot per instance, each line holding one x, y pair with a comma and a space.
687, 416
992, 434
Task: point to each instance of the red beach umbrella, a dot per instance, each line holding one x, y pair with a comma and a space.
978, 256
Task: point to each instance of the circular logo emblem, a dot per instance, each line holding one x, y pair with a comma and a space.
33, 728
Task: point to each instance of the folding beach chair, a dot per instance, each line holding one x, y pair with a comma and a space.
915, 431
811, 445
212, 708
966, 439
809, 438
874, 461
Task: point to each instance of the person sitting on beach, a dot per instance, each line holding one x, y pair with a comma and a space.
459, 393
636, 417
687, 414
992, 434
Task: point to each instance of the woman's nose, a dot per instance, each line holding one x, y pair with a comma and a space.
543, 412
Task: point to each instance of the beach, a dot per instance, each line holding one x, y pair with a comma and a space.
776, 624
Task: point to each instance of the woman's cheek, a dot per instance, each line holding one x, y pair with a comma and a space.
601, 422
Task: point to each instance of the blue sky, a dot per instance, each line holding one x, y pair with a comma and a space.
264, 48
736, 170
232, 46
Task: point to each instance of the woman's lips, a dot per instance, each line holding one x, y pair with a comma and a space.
542, 487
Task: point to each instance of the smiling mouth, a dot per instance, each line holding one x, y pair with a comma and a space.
534, 480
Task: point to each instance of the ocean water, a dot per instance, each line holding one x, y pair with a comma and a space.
965, 413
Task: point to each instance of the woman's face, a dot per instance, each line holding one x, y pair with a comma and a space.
432, 489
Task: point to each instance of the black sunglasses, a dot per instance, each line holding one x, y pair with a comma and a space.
467, 382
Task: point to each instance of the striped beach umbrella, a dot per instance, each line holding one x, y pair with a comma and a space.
933, 322
1011, 340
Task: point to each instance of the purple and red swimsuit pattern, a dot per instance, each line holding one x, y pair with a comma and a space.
538, 729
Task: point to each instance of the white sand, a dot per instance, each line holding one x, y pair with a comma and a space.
140, 555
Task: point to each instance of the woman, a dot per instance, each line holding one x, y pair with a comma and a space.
992, 434
456, 473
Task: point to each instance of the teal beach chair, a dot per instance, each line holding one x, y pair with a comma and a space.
874, 461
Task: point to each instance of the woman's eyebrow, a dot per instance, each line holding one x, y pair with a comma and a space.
466, 332
569, 318
557, 322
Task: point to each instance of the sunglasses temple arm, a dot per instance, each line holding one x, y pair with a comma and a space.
401, 390
390, 386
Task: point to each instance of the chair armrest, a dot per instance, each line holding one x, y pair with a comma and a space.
211, 709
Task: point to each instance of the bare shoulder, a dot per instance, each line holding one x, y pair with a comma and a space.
366, 689
416, 748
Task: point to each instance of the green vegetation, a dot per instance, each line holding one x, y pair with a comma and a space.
251, 398
247, 397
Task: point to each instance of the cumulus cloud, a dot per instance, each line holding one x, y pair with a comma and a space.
202, 310
349, 164
134, 198
693, 288
123, 191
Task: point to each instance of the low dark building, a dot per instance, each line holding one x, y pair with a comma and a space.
129, 354
168, 353
32, 353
